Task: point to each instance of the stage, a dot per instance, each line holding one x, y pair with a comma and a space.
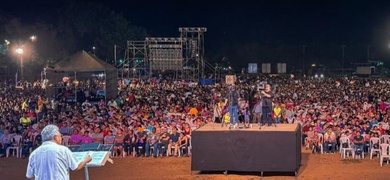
279, 127
269, 149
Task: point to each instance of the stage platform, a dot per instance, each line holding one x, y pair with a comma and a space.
269, 149
279, 127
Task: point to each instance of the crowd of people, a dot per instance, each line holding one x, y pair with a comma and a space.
156, 118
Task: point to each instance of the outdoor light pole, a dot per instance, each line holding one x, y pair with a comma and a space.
19, 51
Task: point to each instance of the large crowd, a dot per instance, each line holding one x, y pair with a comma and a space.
156, 117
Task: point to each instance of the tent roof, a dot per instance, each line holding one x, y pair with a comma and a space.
82, 62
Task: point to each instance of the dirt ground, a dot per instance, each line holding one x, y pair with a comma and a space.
325, 166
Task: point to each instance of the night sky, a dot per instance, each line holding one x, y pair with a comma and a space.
291, 22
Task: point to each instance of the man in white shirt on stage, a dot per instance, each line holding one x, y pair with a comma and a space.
51, 160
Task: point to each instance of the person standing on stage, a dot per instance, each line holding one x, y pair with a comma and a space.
266, 101
51, 160
233, 105
257, 111
218, 111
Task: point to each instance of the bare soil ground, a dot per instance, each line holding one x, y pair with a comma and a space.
325, 166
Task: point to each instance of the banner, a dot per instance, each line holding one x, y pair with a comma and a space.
230, 79
252, 68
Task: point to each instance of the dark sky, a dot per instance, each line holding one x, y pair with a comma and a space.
293, 22
290, 21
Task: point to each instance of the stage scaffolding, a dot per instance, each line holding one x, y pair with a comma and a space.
183, 56
135, 64
165, 55
193, 52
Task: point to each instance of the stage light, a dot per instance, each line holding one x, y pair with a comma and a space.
33, 38
19, 51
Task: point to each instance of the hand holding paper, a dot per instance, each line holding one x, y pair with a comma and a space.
88, 159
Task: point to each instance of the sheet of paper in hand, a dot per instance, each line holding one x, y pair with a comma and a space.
80, 156
99, 158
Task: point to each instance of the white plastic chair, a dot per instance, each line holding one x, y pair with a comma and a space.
374, 140
385, 139
384, 153
16, 146
181, 150
361, 155
160, 153
306, 143
20, 152
321, 142
151, 150
132, 150
189, 145
345, 150
65, 140
110, 143
172, 150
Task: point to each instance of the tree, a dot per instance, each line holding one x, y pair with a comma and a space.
83, 25
36, 54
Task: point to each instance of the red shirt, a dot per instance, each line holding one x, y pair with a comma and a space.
383, 131
131, 98
199, 108
305, 128
30, 115
105, 133
186, 132
382, 106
